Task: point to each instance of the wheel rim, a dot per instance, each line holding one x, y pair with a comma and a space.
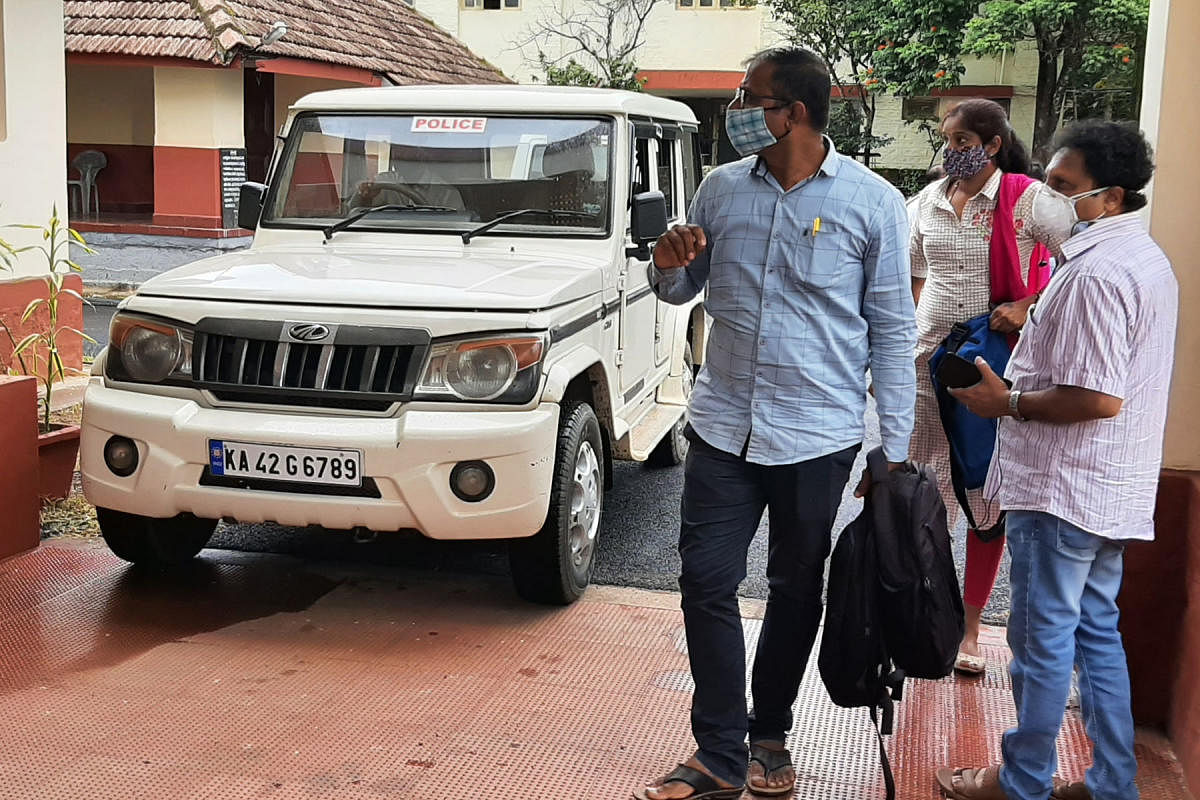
585, 507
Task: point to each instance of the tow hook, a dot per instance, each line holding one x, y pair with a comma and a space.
364, 535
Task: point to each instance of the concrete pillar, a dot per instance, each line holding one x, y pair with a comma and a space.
33, 123
197, 113
1160, 602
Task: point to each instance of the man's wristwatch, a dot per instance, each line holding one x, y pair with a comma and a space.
1014, 398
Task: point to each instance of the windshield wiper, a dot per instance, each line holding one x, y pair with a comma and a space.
341, 225
554, 213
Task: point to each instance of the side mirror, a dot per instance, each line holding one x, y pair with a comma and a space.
250, 200
647, 221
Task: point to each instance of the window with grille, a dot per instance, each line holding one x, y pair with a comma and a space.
690, 4
918, 108
491, 5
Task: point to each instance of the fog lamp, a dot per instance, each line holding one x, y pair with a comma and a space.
121, 456
472, 481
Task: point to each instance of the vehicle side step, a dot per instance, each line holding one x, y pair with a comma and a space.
651, 428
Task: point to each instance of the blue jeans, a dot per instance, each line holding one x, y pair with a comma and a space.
1064, 609
723, 501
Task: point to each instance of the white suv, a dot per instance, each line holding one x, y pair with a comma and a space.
444, 324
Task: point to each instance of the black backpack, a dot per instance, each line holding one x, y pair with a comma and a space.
921, 607
888, 579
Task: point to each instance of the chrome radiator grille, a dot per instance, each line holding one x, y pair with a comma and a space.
366, 368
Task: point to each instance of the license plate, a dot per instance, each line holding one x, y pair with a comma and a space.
276, 462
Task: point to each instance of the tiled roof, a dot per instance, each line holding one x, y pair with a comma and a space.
383, 36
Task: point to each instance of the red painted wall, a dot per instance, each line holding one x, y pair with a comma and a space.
187, 187
1160, 619
21, 529
127, 184
15, 296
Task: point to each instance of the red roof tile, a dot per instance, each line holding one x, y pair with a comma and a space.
382, 36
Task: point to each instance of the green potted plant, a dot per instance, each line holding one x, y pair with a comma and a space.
39, 353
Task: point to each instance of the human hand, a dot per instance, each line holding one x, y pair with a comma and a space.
679, 246
989, 397
1009, 317
864, 483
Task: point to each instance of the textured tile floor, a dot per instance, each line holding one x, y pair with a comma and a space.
268, 677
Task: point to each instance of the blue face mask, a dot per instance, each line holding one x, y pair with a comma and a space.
748, 131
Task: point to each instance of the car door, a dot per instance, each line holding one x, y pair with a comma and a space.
638, 303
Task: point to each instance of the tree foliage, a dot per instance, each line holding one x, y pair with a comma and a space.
1089, 51
597, 42
845, 35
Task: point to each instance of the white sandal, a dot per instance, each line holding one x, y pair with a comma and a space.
967, 664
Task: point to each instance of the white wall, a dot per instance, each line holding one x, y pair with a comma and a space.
1170, 116
110, 104
33, 147
198, 107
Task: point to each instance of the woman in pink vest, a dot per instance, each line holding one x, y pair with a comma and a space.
975, 248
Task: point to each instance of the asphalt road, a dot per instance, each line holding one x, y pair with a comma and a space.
637, 540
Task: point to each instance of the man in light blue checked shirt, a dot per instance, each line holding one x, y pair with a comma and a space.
804, 256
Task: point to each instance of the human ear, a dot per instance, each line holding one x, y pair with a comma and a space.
1114, 200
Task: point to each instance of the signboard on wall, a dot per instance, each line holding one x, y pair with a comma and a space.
233, 175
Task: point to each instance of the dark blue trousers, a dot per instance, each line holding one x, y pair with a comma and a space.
723, 501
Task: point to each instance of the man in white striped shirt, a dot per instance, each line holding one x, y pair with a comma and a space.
1077, 463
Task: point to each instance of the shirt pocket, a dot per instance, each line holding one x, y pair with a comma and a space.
821, 259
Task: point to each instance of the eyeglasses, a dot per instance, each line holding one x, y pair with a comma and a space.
743, 97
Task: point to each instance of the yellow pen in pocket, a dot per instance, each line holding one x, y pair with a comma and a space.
816, 226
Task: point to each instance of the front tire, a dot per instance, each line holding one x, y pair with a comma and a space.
151, 542
554, 566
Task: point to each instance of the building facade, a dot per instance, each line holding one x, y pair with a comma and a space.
32, 122
694, 51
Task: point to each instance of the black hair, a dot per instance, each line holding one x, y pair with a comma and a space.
987, 119
935, 173
1114, 154
1037, 171
800, 75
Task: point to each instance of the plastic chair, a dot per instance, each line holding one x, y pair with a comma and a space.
88, 163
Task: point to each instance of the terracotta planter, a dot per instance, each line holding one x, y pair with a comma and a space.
20, 529
58, 450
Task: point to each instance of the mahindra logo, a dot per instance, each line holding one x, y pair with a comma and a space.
308, 332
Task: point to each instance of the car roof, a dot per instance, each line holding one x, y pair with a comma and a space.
494, 99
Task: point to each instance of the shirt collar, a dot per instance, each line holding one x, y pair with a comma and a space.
1103, 230
992, 187
829, 166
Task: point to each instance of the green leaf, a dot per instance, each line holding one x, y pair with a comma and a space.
79, 333
26, 343
32, 308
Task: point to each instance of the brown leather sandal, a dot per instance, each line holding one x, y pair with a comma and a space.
771, 760
971, 784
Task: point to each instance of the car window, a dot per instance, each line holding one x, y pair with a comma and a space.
461, 170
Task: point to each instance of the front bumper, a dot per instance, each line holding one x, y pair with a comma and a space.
409, 457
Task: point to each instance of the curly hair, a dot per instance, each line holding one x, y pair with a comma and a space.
1114, 154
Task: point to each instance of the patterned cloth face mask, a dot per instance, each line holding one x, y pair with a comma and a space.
748, 131
965, 163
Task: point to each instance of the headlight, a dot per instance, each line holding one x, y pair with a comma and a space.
500, 369
148, 350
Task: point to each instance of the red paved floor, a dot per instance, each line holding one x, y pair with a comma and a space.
267, 677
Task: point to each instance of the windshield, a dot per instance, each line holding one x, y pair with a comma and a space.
455, 171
